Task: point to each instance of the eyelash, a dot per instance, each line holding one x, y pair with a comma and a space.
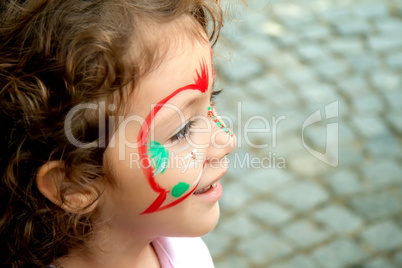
185, 131
215, 93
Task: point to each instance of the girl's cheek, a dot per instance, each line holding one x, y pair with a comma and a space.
177, 169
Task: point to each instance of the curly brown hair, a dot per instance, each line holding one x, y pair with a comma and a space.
55, 55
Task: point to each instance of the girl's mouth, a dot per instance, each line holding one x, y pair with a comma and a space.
210, 194
206, 189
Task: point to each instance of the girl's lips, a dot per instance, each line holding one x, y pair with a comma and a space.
205, 189
210, 193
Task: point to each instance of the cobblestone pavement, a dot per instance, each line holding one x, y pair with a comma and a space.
283, 60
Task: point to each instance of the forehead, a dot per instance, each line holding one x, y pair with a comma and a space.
179, 68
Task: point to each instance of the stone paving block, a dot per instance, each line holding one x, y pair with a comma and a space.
299, 261
270, 213
319, 7
395, 120
316, 137
242, 69
232, 261
287, 40
317, 32
349, 156
304, 234
288, 10
386, 80
272, 28
313, 52
285, 98
354, 86
264, 247
291, 123
388, 24
247, 109
394, 99
369, 126
338, 219
301, 76
331, 69
217, 242
363, 62
249, 21
234, 92
258, 132
384, 146
257, 46
335, 14
288, 144
384, 43
322, 94
268, 84
306, 165
283, 61
383, 236
382, 174
345, 182
339, 254
352, 27
303, 195
266, 181
379, 263
346, 45
394, 60
297, 24
376, 205
372, 9
234, 196
239, 226
368, 104
398, 258
398, 7
346, 135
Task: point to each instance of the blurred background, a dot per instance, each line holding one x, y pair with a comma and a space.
318, 182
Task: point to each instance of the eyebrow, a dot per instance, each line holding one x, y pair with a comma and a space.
198, 98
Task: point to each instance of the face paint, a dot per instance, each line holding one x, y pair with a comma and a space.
159, 156
180, 189
192, 155
193, 158
218, 121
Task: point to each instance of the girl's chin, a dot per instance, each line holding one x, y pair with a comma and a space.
208, 223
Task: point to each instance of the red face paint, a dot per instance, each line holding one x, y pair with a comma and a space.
201, 83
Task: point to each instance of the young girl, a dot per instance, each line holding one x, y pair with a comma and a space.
111, 149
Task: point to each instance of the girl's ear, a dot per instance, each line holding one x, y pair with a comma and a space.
50, 179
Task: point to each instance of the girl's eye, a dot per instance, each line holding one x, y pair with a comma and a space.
215, 93
185, 131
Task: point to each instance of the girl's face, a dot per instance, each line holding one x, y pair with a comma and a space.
170, 151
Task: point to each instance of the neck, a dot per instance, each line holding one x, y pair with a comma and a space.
116, 250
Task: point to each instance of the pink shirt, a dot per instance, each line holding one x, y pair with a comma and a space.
182, 252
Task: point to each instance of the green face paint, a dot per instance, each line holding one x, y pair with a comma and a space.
159, 156
179, 189
211, 114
